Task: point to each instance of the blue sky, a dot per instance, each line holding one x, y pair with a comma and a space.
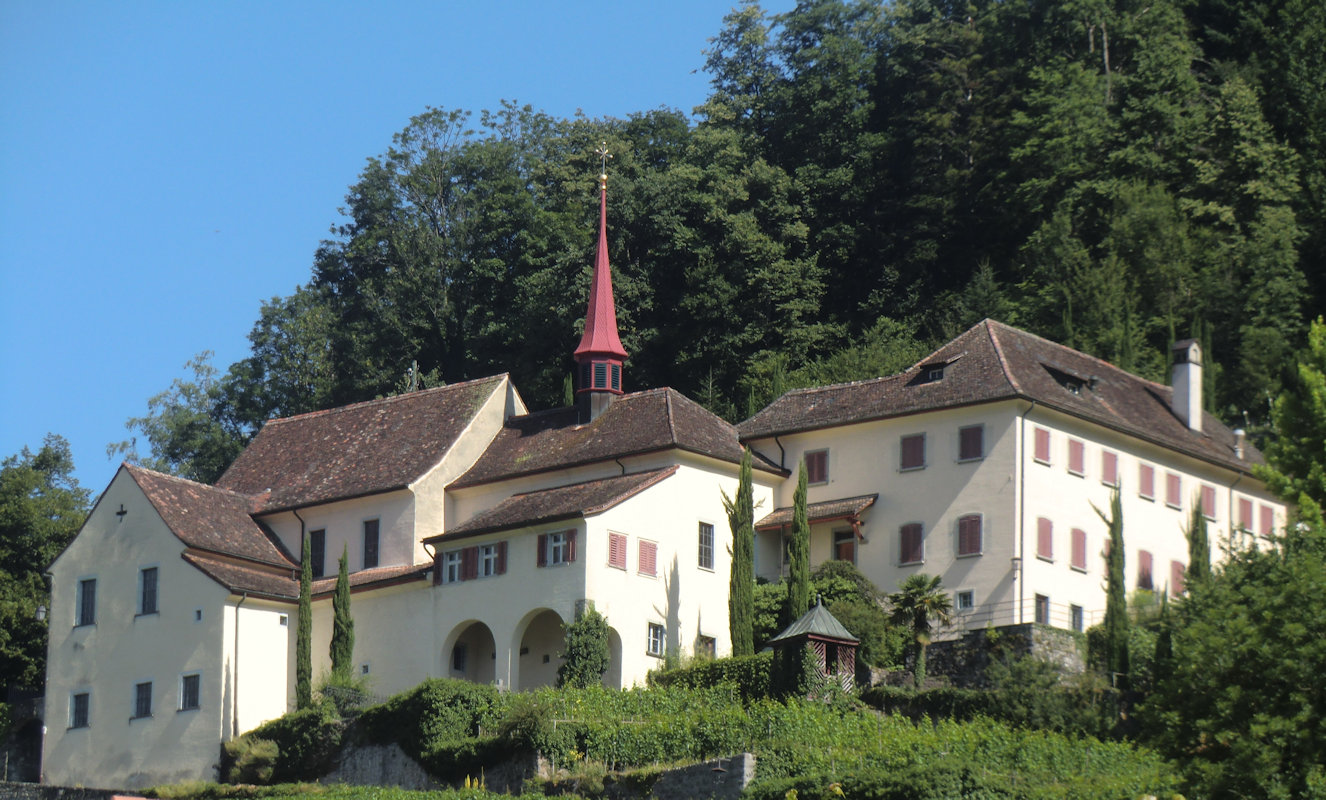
167, 166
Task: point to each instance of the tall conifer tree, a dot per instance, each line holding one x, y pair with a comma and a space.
1199, 545
798, 585
741, 587
1116, 600
304, 632
343, 625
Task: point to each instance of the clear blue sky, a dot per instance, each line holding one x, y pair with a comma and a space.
167, 166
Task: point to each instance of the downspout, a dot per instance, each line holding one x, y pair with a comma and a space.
234, 695
1019, 570
782, 454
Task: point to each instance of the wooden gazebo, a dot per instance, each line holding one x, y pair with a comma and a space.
834, 646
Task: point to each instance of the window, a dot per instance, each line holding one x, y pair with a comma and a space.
969, 535
1044, 539
1146, 481
492, 559
617, 377
1177, 575
370, 543
147, 591
1173, 490
971, 443
458, 657
190, 689
1109, 468
706, 647
451, 566
1077, 457
317, 549
964, 600
142, 700
87, 602
844, 546
817, 466
79, 704
1208, 502
1144, 580
617, 550
648, 557
1042, 445
556, 548
706, 547
1042, 609
1079, 554
912, 548
913, 451
1245, 514
655, 644
1267, 524
1075, 615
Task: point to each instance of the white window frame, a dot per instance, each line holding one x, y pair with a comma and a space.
558, 548
703, 547
198, 691
451, 566
962, 595
656, 640
487, 561
156, 590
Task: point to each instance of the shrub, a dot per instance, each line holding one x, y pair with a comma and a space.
586, 654
249, 760
308, 742
749, 675
436, 713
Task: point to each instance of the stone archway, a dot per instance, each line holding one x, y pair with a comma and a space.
471, 653
540, 647
612, 677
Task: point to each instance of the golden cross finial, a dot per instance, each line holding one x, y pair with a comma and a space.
604, 155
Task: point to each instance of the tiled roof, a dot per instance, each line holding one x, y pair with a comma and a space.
992, 361
284, 585
207, 518
816, 622
643, 422
820, 512
573, 501
355, 450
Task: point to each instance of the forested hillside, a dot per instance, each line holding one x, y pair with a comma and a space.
864, 181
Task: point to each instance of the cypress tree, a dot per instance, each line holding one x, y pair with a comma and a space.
343, 625
798, 585
1199, 545
304, 632
741, 586
1116, 600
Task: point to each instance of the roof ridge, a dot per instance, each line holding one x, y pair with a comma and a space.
388, 399
999, 353
1074, 351
138, 468
672, 468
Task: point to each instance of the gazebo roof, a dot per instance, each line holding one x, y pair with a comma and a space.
817, 623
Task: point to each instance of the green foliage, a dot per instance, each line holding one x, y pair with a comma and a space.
1116, 602
586, 653
343, 624
798, 583
747, 675
304, 630
249, 759
1242, 709
858, 605
308, 791
795, 671
769, 601
741, 586
41, 508
1199, 545
435, 714
919, 601
308, 742
1297, 454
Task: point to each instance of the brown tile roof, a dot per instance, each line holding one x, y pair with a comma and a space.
207, 518
992, 361
355, 450
845, 508
643, 422
238, 576
573, 501
374, 578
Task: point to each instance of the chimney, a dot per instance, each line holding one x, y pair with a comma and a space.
1186, 401
1239, 435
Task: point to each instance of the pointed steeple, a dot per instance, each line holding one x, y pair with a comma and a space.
600, 354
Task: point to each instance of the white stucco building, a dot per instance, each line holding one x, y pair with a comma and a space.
475, 529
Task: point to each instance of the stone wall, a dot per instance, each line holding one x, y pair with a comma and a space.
33, 791
963, 660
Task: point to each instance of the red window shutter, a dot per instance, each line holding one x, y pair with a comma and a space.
1268, 520
1176, 576
1079, 554
969, 535
617, 550
542, 557
1173, 489
817, 466
1043, 445
570, 546
912, 551
1044, 538
1146, 481
1208, 501
1245, 514
913, 451
1109, 468
1077, 457
971, 442
501, 558
648, 558
469, 563
1144, 570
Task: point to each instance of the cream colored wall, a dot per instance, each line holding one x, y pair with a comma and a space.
394, 636
865, 459
259, 647
123, 649
344, 523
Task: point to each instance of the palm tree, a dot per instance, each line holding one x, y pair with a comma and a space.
919, 600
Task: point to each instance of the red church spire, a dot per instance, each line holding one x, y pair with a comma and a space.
600, 354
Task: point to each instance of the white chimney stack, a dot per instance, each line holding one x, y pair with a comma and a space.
1186, 401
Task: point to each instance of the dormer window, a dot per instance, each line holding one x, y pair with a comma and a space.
934, 374
1075, 385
